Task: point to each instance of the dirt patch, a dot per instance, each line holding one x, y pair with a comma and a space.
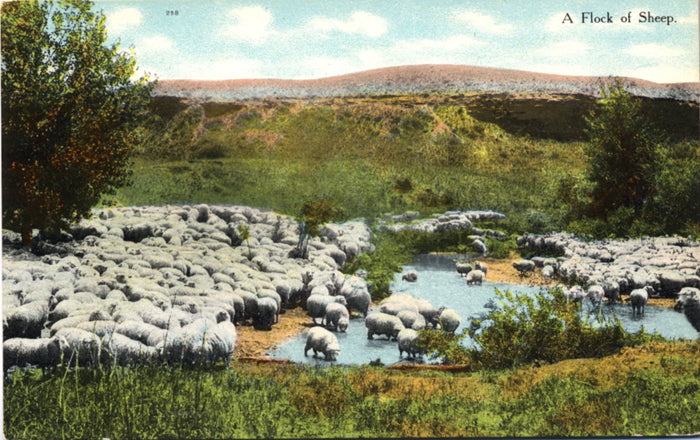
502, 271
254, 343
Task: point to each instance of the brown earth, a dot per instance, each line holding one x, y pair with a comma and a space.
254, 343
417, 79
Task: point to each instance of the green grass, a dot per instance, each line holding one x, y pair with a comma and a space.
649, 390
371, 156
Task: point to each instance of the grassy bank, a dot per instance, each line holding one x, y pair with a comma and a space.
648, 390
392, 154
371, 156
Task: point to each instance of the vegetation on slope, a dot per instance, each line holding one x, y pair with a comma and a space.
393, 154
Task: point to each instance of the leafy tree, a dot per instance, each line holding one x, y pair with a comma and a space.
314, 213
244, 235
69, 106
623, 153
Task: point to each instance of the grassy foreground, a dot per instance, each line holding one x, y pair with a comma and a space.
649, 390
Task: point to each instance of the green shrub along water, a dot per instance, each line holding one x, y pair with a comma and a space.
523, 329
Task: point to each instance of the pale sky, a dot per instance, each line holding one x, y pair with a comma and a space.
304, 39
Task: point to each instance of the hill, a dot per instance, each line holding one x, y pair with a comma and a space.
417, 79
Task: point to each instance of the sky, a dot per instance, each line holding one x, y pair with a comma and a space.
306, 39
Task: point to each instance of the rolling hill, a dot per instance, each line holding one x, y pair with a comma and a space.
418, 79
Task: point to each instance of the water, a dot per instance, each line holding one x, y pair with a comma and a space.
439, 282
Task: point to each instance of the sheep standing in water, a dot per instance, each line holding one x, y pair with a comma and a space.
337, 317
407, 342
463, 268
689, 303
316, 305
475, 277
383, 324
321, 340
639, 299
449, 320
410, 276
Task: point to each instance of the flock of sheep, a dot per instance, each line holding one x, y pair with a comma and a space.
164, 283
640, 268
397, 318
172, 283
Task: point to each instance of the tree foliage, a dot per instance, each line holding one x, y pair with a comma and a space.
314, 213
69, 106
523, 329
623, 153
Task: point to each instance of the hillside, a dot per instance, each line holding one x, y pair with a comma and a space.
418, 79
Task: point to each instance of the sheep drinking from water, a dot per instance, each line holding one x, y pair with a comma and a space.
321, 340
337, 317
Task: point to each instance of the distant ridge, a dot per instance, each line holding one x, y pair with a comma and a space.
429, 78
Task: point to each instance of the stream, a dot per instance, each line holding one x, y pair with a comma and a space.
439, 282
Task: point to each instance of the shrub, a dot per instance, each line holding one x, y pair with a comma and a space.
523, 329
382, 264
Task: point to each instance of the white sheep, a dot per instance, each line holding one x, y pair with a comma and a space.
26, 320
395, 304
337, 317
689, 302
429, 312
639, 299
595, 295
124, 351
200, 341
449, 320
463, 268
358, 299
383, 324
41, 352
143, 332
407, 342
321, 340
574, 293
267, 313
524, 266
412, 320
316, 305
82, 346
475, 277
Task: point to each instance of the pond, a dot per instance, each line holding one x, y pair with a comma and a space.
439, 282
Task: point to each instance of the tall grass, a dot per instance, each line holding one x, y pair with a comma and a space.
649, 390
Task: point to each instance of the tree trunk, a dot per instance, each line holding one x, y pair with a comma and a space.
26, 234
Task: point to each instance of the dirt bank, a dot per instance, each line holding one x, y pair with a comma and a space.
254, 343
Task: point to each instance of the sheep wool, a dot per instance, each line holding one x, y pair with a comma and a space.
321, 340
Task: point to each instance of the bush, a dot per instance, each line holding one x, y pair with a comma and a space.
382, 264
523, 329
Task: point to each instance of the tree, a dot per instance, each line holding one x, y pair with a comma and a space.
623, 153
314, 213
69, 107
